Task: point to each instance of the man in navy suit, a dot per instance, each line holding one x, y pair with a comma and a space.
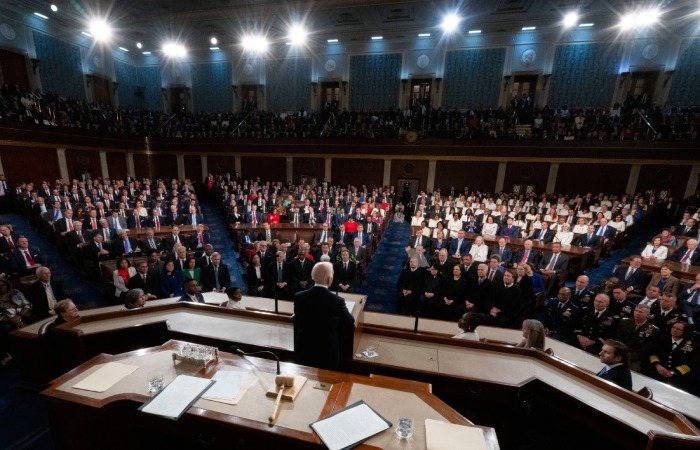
23, 259
365, 238
191, 294
590, 239
502, 250
321, 319
215, 276
604, 231
688, 253
329, 218
156, 220
509, 230
632, 278
135, 221
615, 356
253, 216
126, 245
526, 255
419, 239
342, 237
193, 218
544, 235
199, 240
460, 244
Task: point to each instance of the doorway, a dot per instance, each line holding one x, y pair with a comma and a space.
522, 94
421, 90
13, 70
177, 100
100, 89
249, 97
330, 96
642, 89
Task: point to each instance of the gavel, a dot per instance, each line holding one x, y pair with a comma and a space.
281, 381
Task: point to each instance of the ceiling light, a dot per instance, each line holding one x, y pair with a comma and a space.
86, 33
174, 50
450, 22
423, 34
585, 25
570, 19
124, 49
377, 38
213, 48
297, 35
146, 53
41, 15
214, 41
529, 28
640, 19
332, 41
100, 30
54, 8
257, 44
139, 45
474, 31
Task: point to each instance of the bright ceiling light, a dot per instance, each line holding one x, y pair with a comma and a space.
54, 8
100, 30
139, 45
332, 41
124, 49
571, 19
257, 44
214, 41
450, 22
529, 28
640, 19
146, 53
174, 50
41, 15
297, 35
474, 31
377, 38
586, 25
423, 34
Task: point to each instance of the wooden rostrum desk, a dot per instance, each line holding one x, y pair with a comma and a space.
111, 419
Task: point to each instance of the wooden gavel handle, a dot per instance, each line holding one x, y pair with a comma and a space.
273, 416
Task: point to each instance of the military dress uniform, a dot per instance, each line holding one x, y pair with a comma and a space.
583, 299
623, 309
640, 339
596, 327
665, 321
680, 359
561, 319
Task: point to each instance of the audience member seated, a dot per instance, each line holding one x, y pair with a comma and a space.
667, 283
688, 253
65, 312
640, 336
234, 298
533, 335
135, 299
255, 275
171, 281
668, 314
145, 281
121, 277
675, 358
192, 293
595, 326
45, 293
655, 251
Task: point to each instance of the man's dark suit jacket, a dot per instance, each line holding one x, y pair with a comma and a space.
131, 221
169, 242
620, 375
638, 280
694, 259
151, 286
186, 298
5, 246
37, 297
146, 246
548, 236
341, 276
208, 278
584, 241
320, 320
298, 273
119, 246
560, 266
91, 251
18, 263
514, 231
424, 241
506, 255
73, 240
532, 258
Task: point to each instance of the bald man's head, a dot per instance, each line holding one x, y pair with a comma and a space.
322, 273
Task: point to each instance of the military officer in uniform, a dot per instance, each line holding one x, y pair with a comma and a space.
675, 357
622, 307
640, 336
668, 314
561, 316
581, 295
595, 326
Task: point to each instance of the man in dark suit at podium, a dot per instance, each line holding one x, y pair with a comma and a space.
320, 320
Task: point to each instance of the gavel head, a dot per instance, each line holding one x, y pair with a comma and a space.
284, 380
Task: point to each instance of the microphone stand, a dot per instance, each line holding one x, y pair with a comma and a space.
276, 302
235, 349
415, 325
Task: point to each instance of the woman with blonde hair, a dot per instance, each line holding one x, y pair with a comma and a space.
533, 335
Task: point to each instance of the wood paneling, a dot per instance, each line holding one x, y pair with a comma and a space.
220, 164
357, 172
117, 164
21, 164
81, 161
658, 176
193, 167
164, 166
403, 168
477, 175
526, 173
587, 177
313, 167
14, 69
142, 166
267, 168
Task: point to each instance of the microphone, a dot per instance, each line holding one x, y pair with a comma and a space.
235, 349
276, 303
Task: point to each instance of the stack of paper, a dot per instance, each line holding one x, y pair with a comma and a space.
105, 377
350, 426
177, 397
449, 436
229, 387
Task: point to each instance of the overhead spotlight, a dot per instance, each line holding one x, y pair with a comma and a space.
139, 45
86, 33
54, 8
100, 30
41, 16
256, 44
214, 41
124, 49
570, 19
529, 28
174, 50
297, 35
332, 41
213, 48
586, 25
377, 38
423, 34
450, 22
474, 32
640, 19
146, 53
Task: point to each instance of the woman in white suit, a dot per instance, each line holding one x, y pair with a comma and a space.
565, 236
655, 251
479, 250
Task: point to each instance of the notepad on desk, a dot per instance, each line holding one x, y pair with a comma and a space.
105, 377
350, 426
177, 397
230, 386
449, 436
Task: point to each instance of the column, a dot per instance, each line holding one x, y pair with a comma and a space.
552, 179
693, 181
290, 168
328, 169
104, 167
63, 164
205, 168
430, 184
633, 179
386, 181
237, 165
500, 176
180, 166
130, 165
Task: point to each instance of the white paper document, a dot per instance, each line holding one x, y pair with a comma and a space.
105, 377
448, 436
350, 426
177, 397
228, 384
350, 305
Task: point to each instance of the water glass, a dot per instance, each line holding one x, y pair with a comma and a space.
404, 427
155, 382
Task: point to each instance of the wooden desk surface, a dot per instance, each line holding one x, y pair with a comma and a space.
276, 226
683, 272
517, 243
165, 231
389, 397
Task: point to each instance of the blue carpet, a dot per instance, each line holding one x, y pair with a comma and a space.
218, 229
85, 294
385, 268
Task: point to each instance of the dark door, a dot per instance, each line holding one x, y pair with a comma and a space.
100, 90
642, 88
177, 97
330, 96
421, 91
14, 70
249, 97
